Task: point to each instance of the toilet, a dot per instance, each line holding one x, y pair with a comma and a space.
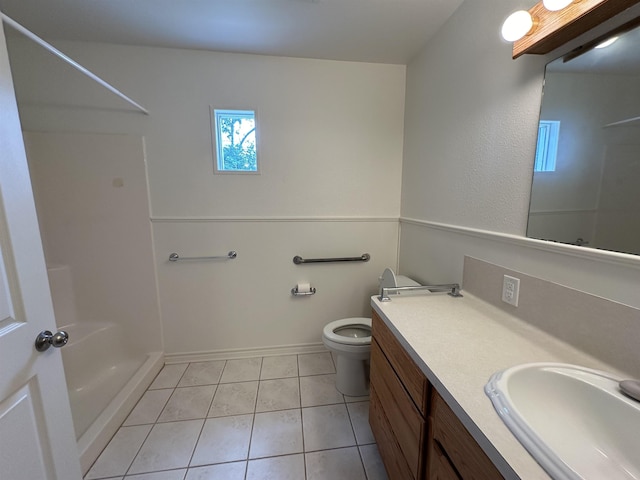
350, 340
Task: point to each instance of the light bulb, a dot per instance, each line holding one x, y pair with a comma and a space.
517, 25
555, 5
606, 43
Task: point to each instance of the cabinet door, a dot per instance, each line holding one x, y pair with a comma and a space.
407, 424
439, 466
390, 451
465, 454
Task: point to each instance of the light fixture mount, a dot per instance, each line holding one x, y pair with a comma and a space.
555, 5
555, 28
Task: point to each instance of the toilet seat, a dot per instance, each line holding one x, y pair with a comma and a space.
331, 331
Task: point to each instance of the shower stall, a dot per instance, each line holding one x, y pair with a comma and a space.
91, 199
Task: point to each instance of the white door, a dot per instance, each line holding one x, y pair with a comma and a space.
36, 431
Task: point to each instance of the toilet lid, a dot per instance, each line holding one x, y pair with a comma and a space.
349, 331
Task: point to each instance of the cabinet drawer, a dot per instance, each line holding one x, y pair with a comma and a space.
405, 421
410, 375
465, 454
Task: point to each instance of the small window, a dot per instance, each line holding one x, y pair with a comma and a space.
234, 139
547, 148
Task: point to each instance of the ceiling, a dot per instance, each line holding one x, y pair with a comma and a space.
379, 31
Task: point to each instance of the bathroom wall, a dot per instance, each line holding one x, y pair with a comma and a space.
331, 136
470, 133
569, 315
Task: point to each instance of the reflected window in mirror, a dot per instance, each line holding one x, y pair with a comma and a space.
547, 146
592, 196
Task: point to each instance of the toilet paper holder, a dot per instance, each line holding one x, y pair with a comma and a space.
296, 293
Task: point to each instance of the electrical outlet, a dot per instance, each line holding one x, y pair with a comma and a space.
510, 290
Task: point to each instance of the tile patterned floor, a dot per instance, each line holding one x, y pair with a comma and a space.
277, 418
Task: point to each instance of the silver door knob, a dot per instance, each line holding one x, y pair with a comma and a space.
46, 339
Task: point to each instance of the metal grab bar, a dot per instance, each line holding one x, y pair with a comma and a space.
453, 287
174, 257
365, 257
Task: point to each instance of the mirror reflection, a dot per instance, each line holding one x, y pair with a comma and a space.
586, 182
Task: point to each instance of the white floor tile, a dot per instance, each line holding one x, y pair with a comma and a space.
149, 407
169, 376
359, 414
241, 370
188, 403
267, 418
234, 399
284, 366
168, 446
342, 463
373, 465
224, 439
315, 364
166, 475
202, 373
280, 394
120, 452
319, 390
222, 471
276, 433
327, 427
289, 467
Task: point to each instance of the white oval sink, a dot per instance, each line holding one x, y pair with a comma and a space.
574, 421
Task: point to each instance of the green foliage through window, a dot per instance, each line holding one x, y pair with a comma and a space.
235, 139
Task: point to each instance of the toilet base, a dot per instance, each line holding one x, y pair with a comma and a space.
352, 375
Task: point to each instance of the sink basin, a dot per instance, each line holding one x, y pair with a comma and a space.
574, 421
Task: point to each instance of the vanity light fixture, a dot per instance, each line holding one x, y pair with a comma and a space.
550, 24
606, 43
518, 25
555, 5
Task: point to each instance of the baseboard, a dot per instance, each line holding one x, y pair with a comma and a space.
231, 354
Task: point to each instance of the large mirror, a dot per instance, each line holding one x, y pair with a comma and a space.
586, 182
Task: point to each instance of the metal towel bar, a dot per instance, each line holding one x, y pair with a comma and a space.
452, 288
174, 257
363, 258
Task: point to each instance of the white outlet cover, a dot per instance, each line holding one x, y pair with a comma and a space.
510, 290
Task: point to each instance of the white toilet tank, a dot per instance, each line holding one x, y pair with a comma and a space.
389, 280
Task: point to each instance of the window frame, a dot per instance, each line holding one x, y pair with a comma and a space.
215, 141
545, 160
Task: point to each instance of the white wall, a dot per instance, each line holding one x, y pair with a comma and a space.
471, 124
331, 138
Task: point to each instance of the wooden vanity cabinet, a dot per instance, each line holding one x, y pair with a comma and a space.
418, 435
398, 407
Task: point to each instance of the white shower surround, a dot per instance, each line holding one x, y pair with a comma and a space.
105, 380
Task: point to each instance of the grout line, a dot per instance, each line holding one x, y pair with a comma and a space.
204, 422
253, 420
139, 448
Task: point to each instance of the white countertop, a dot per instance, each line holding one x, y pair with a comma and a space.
459, 343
